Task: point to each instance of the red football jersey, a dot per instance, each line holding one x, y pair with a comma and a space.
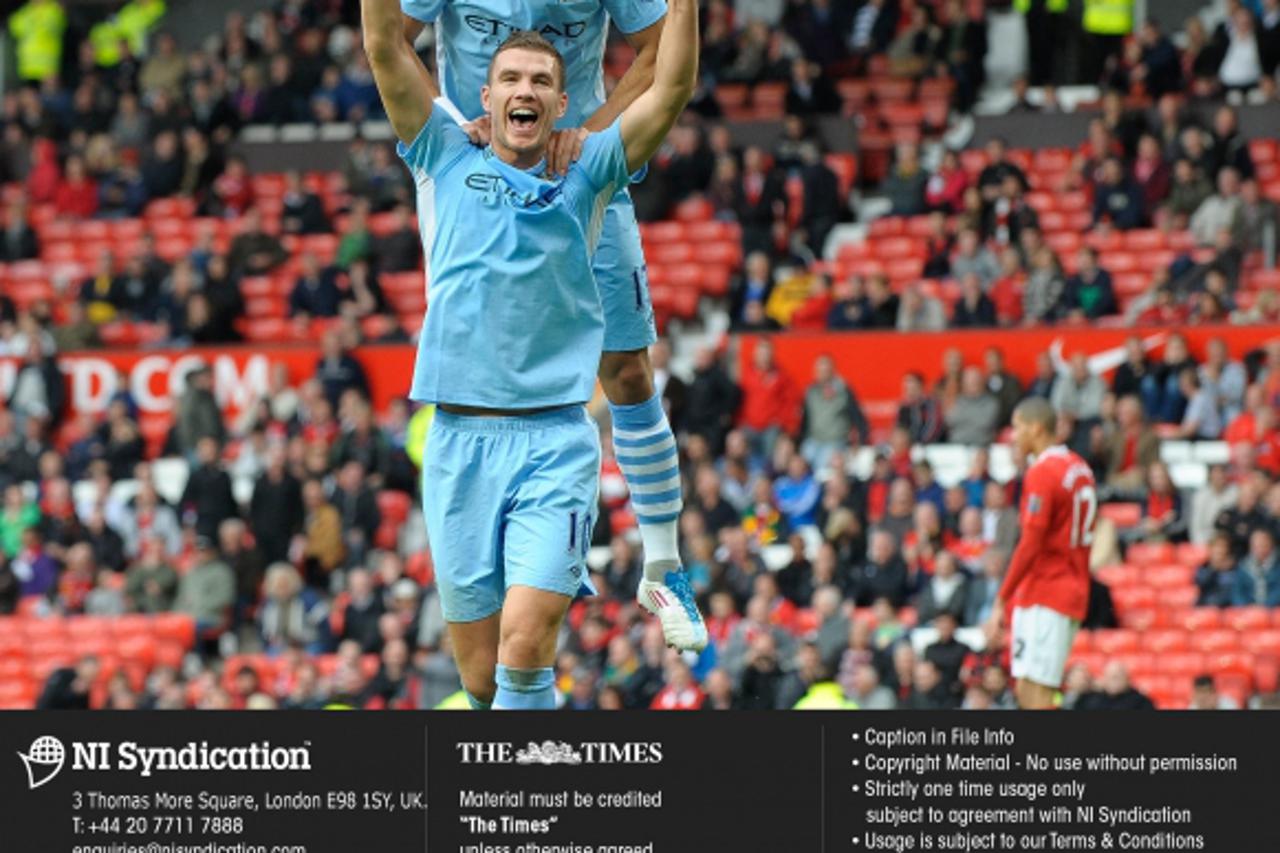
1059, 498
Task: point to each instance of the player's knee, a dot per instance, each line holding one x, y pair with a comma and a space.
527, 645
627, 377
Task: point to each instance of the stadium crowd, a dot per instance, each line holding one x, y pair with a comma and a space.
306, 595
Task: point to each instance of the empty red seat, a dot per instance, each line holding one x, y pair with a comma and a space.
419, 567
1133, 597
1229, 661
1166, 640
1137, 663
1168, 575
1246, 618
665, 232
1083, 642
1264, 642
1142, 618
670, 253
694, 209
1121, 574
394, 505
175, 627
1177, 597
1186, 664
1115, 640
1216, 640
1202, 618
1147, 553
1122, 515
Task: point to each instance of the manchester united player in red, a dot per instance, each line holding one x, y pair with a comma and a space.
1048, 577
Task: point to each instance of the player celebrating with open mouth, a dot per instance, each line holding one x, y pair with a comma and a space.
509, 349
467, 34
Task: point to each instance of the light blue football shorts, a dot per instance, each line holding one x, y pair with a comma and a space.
623, 280
509, 501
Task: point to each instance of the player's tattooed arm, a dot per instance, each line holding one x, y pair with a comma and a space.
403, 81
645, 123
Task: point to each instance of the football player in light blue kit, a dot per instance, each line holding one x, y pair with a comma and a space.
509, 348
467, 34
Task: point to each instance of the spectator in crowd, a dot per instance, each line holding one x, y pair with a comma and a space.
1078, 393
338, 371
254, 251
1117, 199
400, 250
151, 583
1220, 211
1216, 579
323, 548
1152, 176
207, 500
315, 294
303, 211
68, 688
832, 416
767, 400
1133, 446
975, 309
754, 285
944, 191
1129, 376
866, 691
77, 194
199, 415
1188, 191
1044, 289
882, 575
945, 591
974, 416
1241, 67
291, 615
1089, 293
918, 413
882, 303
920, 312
1259, 217
1001, 384
1162, 390
207, 592
906, 182
18, 241
712, 400
971, 257
1116, 693
1258, 574
1202, 418
1217, 495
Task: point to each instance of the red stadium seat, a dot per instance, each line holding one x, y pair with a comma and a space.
1202, 618
1185, 664
1168, 575
1265, 642
1133, 597
1142, 618
1147, 553
1083, 642
1246, 619
1166, 640
176, 628
1216, 640
1119, 575
1112, 641
695, 209
1178, 597
1122, 515
670, 253
394, 505
665, 232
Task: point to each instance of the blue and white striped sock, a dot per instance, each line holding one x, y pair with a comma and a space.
525, 689
646, 452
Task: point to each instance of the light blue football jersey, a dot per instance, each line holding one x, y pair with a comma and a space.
468, 33
514, 320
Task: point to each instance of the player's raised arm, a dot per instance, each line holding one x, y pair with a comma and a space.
403, 82
645, 123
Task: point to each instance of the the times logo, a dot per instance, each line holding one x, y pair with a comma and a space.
559, 752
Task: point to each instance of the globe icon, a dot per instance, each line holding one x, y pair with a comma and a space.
47, 750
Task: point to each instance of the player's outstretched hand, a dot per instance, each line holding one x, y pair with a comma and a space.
565, 149
478, 131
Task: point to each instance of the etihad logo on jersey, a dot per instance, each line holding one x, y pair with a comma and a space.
498, 191
486, 26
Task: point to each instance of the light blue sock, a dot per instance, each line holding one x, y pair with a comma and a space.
476, 704
646, 452
525, 689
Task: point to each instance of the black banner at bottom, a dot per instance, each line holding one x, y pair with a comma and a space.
636, 783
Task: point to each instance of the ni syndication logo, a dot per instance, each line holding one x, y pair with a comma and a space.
45, 758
